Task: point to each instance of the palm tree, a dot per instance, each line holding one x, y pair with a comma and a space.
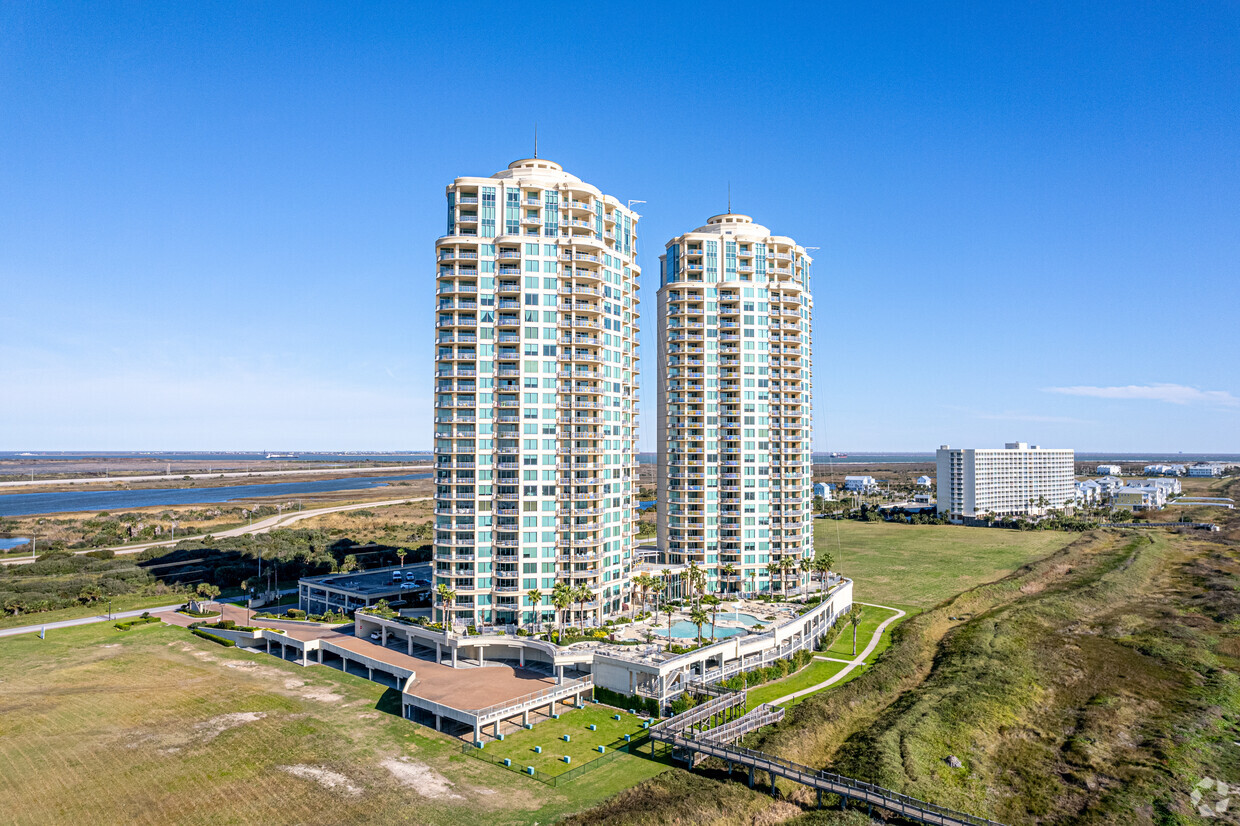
657, 585
699, 618
727, 571
713, 601
772, 570
561, 599
666, 573
753, 580
854, 618
669, 610
446, 597
582, 595
827, 562
643, 583
535, 597
696, 579
786, 566
400, 554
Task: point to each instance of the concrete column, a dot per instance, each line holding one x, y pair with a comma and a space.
454, 657
438, 652
268, 646
477, 732
525, 717
383, 634
522, 655
559, 675
438, 723
409, 640
497, 728
482, 655
370, 673
320, 656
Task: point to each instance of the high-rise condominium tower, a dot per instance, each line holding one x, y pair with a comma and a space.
734, 400
536, 395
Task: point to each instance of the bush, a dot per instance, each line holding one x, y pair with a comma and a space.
207, 635
295, 613
642, 705
142, 620
683, 703
226, 624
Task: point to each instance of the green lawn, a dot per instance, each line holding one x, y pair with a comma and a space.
549, 734
157, 725
871, 617
812, 674
919, 566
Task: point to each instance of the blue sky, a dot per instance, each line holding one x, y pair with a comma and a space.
217, 220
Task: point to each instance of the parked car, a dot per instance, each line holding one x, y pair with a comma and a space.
374, 635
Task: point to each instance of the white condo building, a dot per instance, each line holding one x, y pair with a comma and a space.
1018, 480
734, 397
536, 394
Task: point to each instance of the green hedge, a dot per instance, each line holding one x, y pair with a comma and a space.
642, 705
207, 635
127, 624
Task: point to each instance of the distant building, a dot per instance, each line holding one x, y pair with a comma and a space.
923, 499
1206, 469
824, 490
1088, 492
924, 481
860, 484
1164, 470
1110, 470
1018, 480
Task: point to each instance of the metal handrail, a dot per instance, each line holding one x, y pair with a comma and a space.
566, 687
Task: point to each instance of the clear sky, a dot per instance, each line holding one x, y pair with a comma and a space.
217, 220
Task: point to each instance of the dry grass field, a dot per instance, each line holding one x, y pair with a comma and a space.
157, 726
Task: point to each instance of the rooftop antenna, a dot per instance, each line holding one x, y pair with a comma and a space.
729, 197
535, 140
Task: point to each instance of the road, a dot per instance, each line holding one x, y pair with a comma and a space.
261, 526
163, 477
853, 663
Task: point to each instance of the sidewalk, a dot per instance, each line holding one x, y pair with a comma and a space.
853, 663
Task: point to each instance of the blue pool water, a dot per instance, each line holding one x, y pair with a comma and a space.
8, 544
687, 630
743, 619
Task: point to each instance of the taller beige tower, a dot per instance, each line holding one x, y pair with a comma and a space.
536, 395
735, 426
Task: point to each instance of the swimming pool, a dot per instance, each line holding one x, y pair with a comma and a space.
687, 630
743, 619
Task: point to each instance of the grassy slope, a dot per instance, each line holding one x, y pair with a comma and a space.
917, 566
109, 727
1094, 686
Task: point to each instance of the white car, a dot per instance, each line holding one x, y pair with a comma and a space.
374, 635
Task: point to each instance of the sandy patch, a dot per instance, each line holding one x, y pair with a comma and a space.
324, 777
208, 730
294, 683
111, 645
421, 778
322, 695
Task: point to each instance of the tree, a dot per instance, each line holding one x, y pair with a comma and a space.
657, 585
535, 597
713, 601
207, 590
699, 618
772, 571
561, 599
349, 565
582, 595
696, 579
854, 619
825, 563
753, 581
642, 582
446, 598
400, 554
89, 594
726, 571
669, 610
666, 573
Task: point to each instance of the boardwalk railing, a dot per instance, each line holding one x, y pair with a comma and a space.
764, 715
856, 790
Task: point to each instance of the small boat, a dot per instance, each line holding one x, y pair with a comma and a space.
282, 456
839, 455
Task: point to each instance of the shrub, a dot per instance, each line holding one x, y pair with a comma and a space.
295, 613
226, 624
207, 635
127, 624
